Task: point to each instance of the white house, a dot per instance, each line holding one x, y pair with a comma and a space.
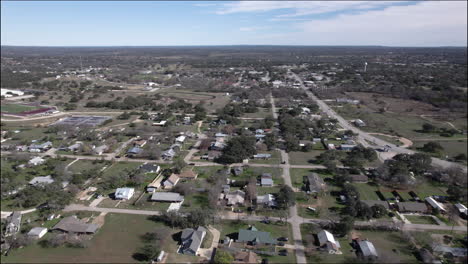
160, 123
124, 193
36, 161
180, 139
37, 232
327, 240
9, 93
171, 181
41, 180
434, 204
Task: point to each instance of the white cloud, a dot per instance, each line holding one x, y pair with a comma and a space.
425, 24
299, 8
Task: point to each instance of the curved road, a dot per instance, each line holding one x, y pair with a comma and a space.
364, 137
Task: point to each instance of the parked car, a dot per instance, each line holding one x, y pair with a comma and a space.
281, 244
191, 164
283, 239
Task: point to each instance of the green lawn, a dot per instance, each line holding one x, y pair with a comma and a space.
82, 165
367, 191
115, 242
390, 245
451, 149
416, 219
16, 108
205, 172
121, 167
304, 158
297, 176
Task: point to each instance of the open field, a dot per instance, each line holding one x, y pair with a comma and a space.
304, 158
115, 242
275, 158
16, 108
451, 149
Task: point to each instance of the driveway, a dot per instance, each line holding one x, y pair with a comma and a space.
208, 252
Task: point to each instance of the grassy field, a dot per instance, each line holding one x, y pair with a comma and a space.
205, 172
262, 113
417, 219
121, 167
82, 165
451, 147
297, 176
16, 108
367, 191
115, 242
304, 158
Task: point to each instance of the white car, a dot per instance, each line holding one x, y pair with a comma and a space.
311, 208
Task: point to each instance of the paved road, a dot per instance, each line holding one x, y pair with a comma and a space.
363, 136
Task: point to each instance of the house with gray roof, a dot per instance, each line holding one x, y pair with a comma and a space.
191, 240
367, 249
371, 203
262, 156
314, 183
41, 180
266, 179
14, 224
252, 236
411, 207
72, 224
135, 150
167, 197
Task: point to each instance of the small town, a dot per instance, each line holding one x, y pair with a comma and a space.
233, 154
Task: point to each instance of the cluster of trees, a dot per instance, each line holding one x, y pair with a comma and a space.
128, 103
237, 149
355, 158
396, 172
443, 131
194, 218
356, 208
153, 242
69, 240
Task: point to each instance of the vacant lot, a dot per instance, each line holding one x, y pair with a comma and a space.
275, 158
417, 219
304, 158
451, 149
115, 242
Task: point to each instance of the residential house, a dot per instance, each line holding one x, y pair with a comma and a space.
191, 240
180, 139
140, 143
267, 200
14, 224
167, 197
188, 174
150, 168
327, 241
367, 249
155, 184
259, 131
305, 111
171, 181
124, 193
371, 203
40, 147
135, 150
19, 148
237, 170
450, 251
252, 236
435, 205
262, 156
72, 224
331, 146
347, 147
217, 145
36, 161
411, 207
101, 149
245, 257
359, 123
314, 183
226, 188
75, 147
160, 123
168, 154
461, 209
266, 180
221, 135
37, 232
41, 180
235, 197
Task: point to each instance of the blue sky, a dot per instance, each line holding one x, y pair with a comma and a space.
86, 23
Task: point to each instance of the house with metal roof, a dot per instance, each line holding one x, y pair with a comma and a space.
167, 197
124, 193
72, 224
252, 236
266, 200
434, 204
461, 209
170, 182
37, 232
262, 156
327, 241
168, 154
150, 168
41, 180
180, 139
266, 180
36, 161
371, 203
235, 197
367, 249
411, 207
191, 240
135, 150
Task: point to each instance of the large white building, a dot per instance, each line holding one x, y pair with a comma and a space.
10, 93
124, 193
